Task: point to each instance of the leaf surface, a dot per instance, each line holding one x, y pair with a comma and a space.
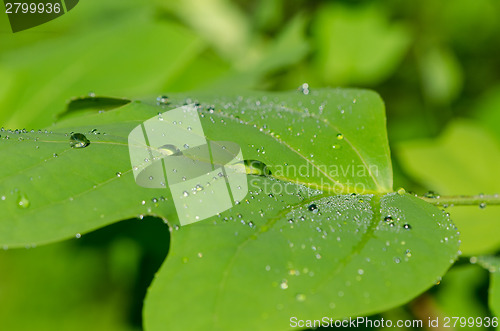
322, 235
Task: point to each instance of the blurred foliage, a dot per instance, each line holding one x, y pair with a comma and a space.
463, 160
432, 62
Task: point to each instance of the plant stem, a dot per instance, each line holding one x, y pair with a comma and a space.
464, 200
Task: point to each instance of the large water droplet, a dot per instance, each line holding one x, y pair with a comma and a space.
168, 149
254, 167
78, 140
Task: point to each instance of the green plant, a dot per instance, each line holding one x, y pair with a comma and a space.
335, 240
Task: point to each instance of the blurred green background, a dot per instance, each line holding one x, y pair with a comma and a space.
435, 63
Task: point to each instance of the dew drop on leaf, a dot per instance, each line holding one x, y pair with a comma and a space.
388, 220
22, 201
78, 140
162, 100
254, 167
304, 88
168, 149
300, 297
431, 194
313, 208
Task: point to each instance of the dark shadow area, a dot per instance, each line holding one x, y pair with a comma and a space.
152, 236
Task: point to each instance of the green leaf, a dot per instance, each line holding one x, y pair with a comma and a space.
441, 75
357, 45
342, 261
487, 110
464, 160
301, 241
108, 59
79, 189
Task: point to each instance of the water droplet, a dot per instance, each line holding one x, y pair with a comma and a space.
401, 191
78, 140
300, 297
304, 88
78, 236
162, 100
340, 136
254, 167
185, 193
118, 174
407, 226
408, 253
23, 201
431, 194
361, 271
397, 260
482, 205
168, 149
284, 284
313, 208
